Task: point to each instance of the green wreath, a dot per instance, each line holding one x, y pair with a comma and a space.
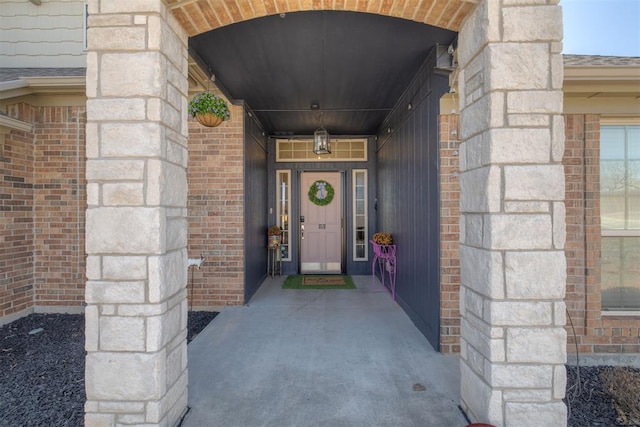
315, 189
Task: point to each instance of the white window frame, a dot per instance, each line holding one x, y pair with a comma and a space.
321, 158
279, 220
366, 214
618, 232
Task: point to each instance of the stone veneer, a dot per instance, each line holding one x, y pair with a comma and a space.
136, 238
512, 224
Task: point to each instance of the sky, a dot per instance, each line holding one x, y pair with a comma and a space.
601, 27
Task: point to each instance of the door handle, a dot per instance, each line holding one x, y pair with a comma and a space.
302, 232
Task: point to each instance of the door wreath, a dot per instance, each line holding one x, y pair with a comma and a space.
321, 193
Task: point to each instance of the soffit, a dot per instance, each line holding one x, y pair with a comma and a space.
354, 66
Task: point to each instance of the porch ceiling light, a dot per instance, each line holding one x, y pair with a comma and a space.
321, 143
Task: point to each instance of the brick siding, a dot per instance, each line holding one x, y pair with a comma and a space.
215, 173
449, 235
16, 227
60, 204
43, 204
595, 333
202, 16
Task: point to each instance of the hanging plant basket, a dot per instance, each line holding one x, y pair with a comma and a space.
209, 109
208, 119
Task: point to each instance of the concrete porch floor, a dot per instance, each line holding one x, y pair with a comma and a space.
319, 358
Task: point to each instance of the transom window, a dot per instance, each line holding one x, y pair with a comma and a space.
620, 217
342, 150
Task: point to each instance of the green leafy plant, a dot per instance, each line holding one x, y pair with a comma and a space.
207, 102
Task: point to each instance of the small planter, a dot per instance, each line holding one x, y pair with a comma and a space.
274, 240
274, 234
208, 119
209, 109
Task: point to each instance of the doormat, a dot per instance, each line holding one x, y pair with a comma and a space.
304, 281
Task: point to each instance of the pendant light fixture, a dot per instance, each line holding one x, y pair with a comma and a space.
321, 142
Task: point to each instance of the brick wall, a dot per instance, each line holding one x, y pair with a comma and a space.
595, 333
215, 174
42, 201
59, 207
16, 224
449, 235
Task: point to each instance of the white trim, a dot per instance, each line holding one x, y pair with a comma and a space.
286, 172
9, 123
354, 213
619, 121
613, 313
619, 233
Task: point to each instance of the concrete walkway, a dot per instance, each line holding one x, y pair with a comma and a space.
319, 358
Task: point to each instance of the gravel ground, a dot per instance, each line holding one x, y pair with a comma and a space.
42, 375
42, 368
588, 404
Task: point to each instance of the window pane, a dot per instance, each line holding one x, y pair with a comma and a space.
282, 211
620, 209
633, 137
612, 142
620, 273
633, 195
612, 194
359, 215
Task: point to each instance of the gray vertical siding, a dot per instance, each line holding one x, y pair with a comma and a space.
408, 204
255, 205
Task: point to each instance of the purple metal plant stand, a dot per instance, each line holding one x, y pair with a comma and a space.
384, 258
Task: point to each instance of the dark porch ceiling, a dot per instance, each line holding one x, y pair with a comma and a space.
353, 65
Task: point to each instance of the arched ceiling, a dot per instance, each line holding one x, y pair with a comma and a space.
354, 66
200, 16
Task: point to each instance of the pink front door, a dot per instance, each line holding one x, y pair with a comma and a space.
321, 231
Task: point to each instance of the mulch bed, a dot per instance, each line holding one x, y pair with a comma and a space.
42, 375
42, 368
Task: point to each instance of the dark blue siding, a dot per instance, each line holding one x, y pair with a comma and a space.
255, 205
408, 204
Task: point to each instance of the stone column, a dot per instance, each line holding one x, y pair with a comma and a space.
512, 226
136, 228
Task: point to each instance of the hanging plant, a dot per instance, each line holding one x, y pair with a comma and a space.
321, 193
209, 109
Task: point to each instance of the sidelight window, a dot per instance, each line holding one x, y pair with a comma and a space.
360, 225
283, 211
